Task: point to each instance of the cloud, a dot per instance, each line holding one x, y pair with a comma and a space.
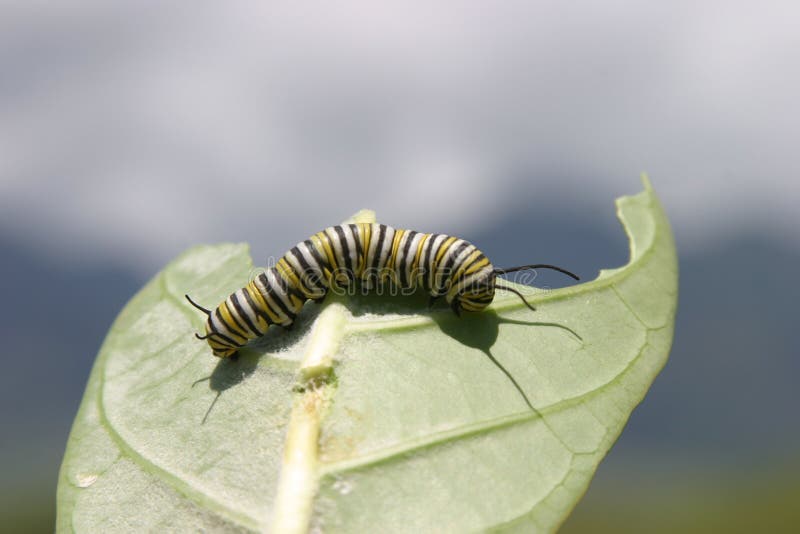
134, 131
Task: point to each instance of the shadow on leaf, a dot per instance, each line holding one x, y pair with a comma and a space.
480, 331
232, 371
228, 373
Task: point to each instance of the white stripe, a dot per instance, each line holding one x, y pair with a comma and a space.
368, 275
399, 260
462, 257
248, 310
412, 254
386, 250
333, 237
442, 276
437, 242
351, 247
277, 288
238, 318
451, 250
376, 229
309, 257
422, 268
303, 276
220, 327
283, 319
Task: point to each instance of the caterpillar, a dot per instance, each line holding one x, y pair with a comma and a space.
339, 256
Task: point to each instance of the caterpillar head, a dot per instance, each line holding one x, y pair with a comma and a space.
475, 292
221, 346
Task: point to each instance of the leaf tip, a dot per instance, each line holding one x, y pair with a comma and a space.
648, 186
361, 216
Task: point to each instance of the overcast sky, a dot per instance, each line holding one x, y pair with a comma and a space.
132, 132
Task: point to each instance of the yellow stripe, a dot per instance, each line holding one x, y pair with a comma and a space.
297, 303
265, 306
325, 245
217, 345
272, 314
415, 265
288, 274
366, 232
319, 245
255, 295
398, 236
443, 250
477, 266
475, 253
229, 322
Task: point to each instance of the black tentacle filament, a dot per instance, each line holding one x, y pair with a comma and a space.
524, 267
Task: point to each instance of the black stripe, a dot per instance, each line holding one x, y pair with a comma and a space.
270, 308
452, 259
240, 325
359, 248
268, 290
348, 261
320, 257
334, 263
224, 344
376, 258
467, 264
286, 311
222, 320
294, 251
372, 268
403, 266
288, 285
435, 265
244, 316
300, 258
299, 291
308, 273
228, 341
426, 256
259, 311
399, 261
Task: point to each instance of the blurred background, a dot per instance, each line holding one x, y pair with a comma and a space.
130, 131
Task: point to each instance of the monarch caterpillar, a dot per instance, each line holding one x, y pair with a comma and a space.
337, 257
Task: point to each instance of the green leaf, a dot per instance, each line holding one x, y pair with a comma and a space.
371, 413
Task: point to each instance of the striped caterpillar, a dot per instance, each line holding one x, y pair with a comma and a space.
338, 257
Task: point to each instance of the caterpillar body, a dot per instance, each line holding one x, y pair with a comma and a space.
340, 256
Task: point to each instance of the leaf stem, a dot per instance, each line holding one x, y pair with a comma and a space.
299, 479
300, 476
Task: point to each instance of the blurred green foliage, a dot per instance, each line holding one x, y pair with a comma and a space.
696, 501
702, 500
